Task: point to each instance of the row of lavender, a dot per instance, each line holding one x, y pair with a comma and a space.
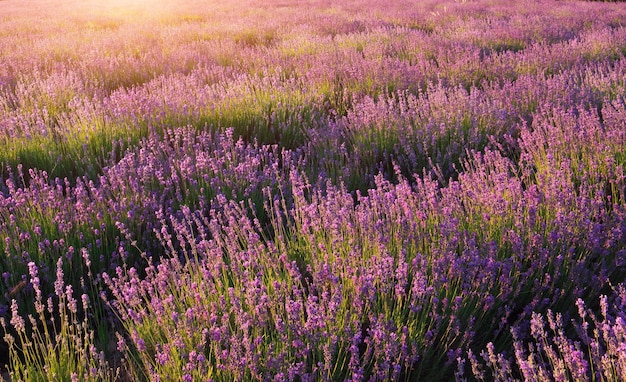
433, 199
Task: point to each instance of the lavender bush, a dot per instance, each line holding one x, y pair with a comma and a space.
353, 190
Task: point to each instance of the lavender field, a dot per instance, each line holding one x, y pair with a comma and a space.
312, 190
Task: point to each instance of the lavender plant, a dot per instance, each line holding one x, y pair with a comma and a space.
589, 348
56, 344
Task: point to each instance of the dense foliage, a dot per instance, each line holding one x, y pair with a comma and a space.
313, 190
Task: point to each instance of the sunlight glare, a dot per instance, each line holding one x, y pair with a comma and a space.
128, 8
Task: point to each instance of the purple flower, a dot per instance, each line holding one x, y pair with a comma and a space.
16, 320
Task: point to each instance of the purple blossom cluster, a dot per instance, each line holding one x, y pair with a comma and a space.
549, 353
58, 344
282, 191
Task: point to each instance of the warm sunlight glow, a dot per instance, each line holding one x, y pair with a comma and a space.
95, 8
128, 8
